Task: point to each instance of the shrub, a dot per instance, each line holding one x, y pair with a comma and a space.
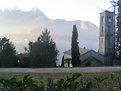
72, 83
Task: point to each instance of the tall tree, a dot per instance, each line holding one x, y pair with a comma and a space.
118, 42
7, 53
62, 63
75, 48
43, 52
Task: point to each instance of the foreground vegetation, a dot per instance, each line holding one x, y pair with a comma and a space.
60, 82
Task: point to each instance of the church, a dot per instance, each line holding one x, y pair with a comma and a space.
105, 54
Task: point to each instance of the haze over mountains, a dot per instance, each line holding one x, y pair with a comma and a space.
24, 26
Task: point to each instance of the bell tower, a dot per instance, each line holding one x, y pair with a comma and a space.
106, 37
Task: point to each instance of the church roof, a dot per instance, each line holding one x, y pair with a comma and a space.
81, 50
86, 54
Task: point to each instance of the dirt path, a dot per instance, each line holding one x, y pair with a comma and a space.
51, 70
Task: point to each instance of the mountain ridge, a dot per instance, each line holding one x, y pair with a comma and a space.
24, 26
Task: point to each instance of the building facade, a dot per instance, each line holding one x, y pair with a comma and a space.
107, 37
87, 57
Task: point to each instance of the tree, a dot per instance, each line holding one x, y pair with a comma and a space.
43, 52
62, 62
75, 48
7, 53
120, 51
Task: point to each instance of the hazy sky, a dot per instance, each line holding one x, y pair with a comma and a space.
87, 10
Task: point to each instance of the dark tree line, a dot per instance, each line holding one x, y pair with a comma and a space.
41, 53
7, 53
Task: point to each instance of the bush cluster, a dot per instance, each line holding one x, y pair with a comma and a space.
72, 83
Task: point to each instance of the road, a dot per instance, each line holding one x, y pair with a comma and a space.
64, 70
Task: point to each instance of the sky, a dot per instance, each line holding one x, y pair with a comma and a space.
86, 10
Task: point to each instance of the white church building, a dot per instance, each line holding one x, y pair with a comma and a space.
105, 54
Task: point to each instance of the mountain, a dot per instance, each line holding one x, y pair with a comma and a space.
24, 26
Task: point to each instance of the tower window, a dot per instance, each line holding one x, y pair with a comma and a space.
109, 18
102, 31
102, 18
